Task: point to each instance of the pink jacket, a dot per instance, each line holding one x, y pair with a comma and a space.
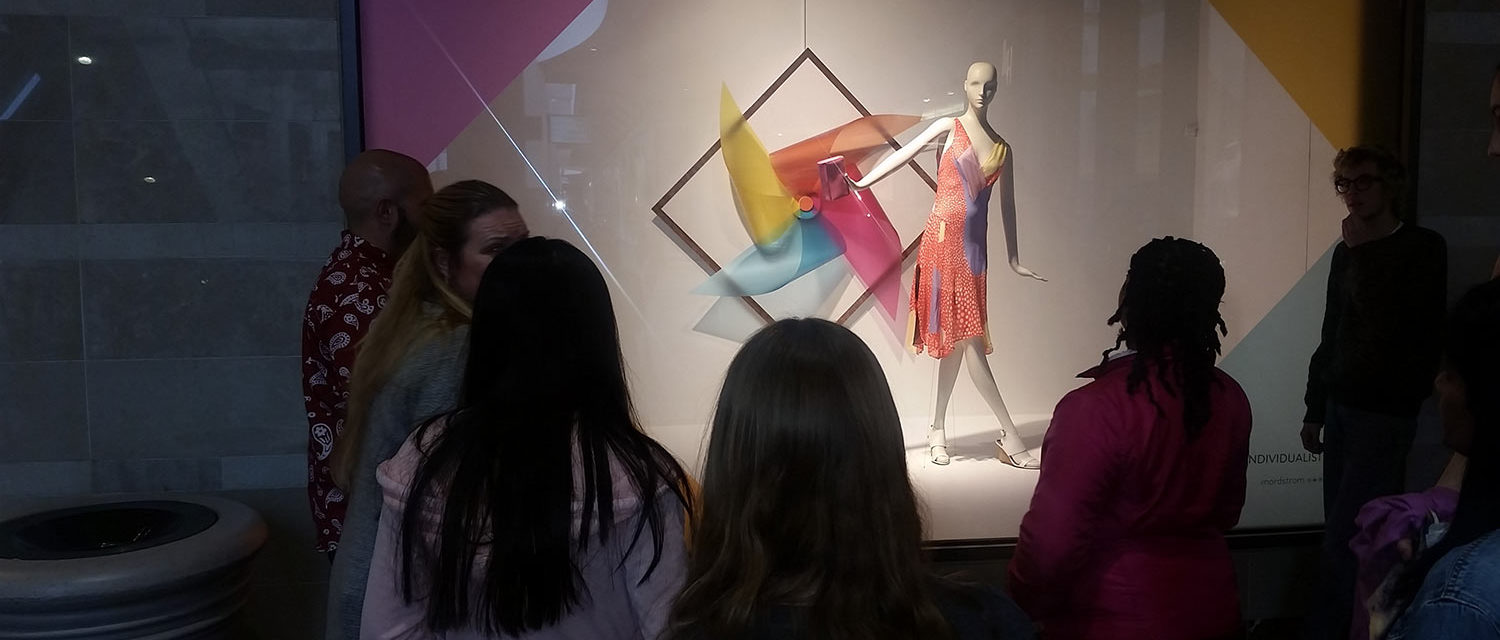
1125, 536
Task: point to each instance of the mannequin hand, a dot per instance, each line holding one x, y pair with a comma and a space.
1312, 439
1025, 273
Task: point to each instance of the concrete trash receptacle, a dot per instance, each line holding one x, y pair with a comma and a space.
157, 569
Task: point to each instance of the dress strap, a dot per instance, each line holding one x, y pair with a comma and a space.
995, 159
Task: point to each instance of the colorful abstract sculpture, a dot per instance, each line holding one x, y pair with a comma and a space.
800, 213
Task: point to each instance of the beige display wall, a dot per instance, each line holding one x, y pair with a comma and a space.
1128, 121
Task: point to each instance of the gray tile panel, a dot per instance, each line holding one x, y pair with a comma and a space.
104, 7
200, 408
177, 308
40, 317
207, 171
34, 69
42, 416
206, 68
36, 172
40, 479
155, 475
324, 9
284, 471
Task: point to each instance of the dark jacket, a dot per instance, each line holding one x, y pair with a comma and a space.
1382, 329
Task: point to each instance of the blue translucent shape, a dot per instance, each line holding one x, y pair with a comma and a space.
805, 246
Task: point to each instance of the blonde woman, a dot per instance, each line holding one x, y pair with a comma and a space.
410, 363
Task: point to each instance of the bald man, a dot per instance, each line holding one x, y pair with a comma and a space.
379, 192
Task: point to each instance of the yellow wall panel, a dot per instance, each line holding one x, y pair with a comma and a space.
1333, 56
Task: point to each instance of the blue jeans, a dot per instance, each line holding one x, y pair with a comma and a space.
1460, 598
1364, 457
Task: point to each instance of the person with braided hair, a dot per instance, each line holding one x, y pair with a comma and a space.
1146, 470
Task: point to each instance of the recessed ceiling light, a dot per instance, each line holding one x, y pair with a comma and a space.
85, 60
150, 180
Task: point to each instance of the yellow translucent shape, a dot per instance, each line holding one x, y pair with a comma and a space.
765, 206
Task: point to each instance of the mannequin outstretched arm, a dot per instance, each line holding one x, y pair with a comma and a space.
1008, 217
904, 155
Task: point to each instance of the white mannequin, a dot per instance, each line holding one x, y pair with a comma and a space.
979, 90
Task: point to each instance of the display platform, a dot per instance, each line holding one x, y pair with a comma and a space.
975, 496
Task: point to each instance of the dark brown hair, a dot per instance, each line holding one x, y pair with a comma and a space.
806, 501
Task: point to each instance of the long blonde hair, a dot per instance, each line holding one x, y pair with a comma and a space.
406, 321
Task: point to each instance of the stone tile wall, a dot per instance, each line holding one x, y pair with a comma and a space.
164, 210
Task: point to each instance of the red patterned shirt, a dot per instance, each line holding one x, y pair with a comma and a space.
349, 292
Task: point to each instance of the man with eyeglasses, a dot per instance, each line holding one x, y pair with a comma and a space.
1375, 365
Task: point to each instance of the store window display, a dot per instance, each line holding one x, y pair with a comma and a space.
1130, 122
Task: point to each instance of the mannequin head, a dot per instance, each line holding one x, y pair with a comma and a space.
979, 86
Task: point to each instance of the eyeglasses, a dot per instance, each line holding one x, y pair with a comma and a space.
1362, 183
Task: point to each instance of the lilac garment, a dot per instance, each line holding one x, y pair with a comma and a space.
977, 210
619, 607
932, 301
1382, 524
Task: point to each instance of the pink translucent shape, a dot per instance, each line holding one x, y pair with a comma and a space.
857, 140
871, 244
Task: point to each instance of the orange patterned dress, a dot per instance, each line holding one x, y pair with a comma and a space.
948, 292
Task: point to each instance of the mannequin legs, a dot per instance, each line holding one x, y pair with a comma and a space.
1012, 449
937, 438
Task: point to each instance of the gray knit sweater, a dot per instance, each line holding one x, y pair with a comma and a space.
426, 384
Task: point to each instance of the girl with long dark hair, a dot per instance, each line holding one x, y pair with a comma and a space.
809, 526
1145, 471
538, 508
1453, 589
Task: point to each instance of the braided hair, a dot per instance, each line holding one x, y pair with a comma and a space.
1169, 314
